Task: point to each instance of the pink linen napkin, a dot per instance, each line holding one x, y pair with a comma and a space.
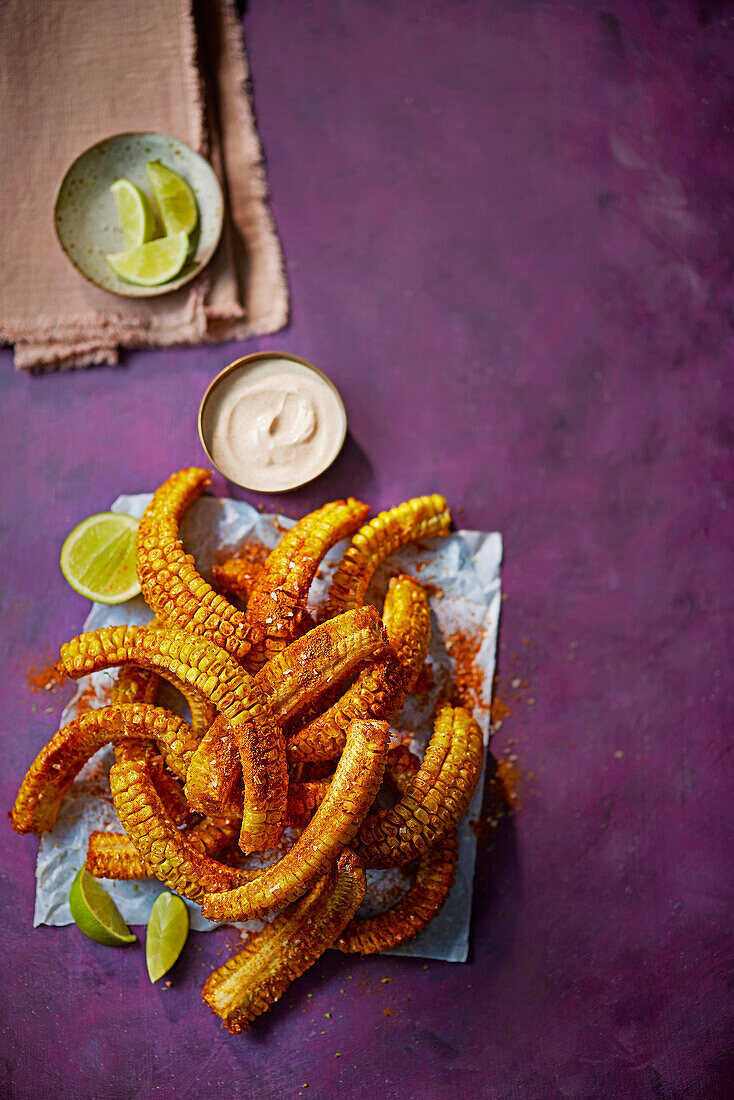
74, 73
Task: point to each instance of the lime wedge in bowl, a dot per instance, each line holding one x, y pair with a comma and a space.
135, 213
95, 913
98, 558
175, 199
168, 927
152, 263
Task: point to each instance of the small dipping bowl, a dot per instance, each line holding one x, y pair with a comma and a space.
85, 213
272, 422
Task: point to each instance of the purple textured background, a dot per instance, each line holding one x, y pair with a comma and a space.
508, 230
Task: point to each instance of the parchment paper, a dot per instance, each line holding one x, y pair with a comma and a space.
462, 574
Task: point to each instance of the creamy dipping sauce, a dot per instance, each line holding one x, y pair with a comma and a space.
272, 424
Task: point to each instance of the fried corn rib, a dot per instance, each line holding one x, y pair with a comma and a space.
331, 829
427, 894
379, 690
163, 848
114, 855
436, 798
297, 676
293, 679
420, 518
138, 685
258, 975
134, 685
214, 784
223, 683
203, 713
407, 619
424, 900
56, 766
277, 604
174, 589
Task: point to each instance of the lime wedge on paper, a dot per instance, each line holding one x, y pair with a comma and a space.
135, 213
95, 913
152, 263
98, 558
168, 927
176, 202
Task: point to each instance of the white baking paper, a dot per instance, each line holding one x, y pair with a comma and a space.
462, 574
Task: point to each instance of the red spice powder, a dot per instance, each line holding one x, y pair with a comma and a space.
482, 827
499, 710
45, 679
468, 678
87, 700
508, 781
424, 683
252, 551
504, 784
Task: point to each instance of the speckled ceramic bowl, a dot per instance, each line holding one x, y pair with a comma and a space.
85, 213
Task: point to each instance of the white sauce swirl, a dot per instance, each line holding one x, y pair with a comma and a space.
273, 425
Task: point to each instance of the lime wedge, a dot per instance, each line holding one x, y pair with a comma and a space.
176, 202
135, 213
95, 913
168, 927
152, 263
98, 558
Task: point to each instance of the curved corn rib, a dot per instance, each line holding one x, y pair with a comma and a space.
277, 603
138, 685
223, 683
214, 783
436, 798
203, 713
423, 901
174, 589
407, 619
258, 975
264, 774
192, 659
161, 846
56, 766
427, 894
299, 675
114, 855
331, 829
420, 518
